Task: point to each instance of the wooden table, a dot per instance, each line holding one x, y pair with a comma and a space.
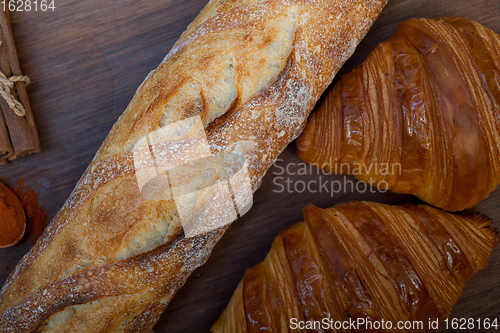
85, 60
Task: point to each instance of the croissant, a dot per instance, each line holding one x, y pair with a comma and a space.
420, 116
363, 263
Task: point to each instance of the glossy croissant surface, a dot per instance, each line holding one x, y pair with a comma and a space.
420, 116
361, 260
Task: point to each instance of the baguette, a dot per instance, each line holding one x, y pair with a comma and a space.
248, 73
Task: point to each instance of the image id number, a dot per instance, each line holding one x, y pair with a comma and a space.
28, 5
471, 323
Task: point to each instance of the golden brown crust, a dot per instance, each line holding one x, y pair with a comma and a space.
111, 260
425, 106
362, 260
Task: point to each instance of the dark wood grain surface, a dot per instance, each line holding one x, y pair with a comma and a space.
85, 61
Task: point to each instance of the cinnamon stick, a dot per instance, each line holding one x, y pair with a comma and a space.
6, 149
22, 130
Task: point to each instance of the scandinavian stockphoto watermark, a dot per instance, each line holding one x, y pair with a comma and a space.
357, 324
176, 163
286, 174
366, 324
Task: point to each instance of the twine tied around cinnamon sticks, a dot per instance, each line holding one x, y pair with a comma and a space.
6, 84
18, 132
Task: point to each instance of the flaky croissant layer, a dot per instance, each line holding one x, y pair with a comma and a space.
361, 260
420, 116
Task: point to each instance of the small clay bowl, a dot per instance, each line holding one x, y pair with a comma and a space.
16, 227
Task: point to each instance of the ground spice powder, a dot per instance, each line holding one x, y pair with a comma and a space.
36, 216
12, 218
